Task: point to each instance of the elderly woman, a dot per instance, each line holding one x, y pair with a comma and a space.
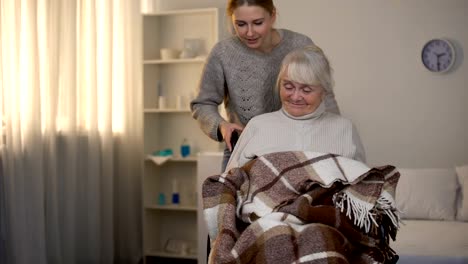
296, 188
302, 124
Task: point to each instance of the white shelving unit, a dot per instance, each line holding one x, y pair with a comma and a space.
167, 128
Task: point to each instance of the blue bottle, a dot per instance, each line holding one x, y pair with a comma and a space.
175, 193
185, 149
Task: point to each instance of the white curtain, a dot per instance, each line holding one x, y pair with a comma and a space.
70, 87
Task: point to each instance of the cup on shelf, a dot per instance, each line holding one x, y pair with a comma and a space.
162, 102
181, 102
169, 54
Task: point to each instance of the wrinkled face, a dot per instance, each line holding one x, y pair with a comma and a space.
253, 26
299, 99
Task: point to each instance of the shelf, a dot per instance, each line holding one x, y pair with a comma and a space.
188, 159
168, 110
177, 159
165, 254
158, 61
166, 127
171, 207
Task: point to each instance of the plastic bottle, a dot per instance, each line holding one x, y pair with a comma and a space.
185, 148
175, 193
161, 199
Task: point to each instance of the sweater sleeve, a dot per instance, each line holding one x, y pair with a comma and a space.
205, 107
360, 153
238, 155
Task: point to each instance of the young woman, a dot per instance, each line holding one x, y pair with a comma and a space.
302, 124
241, 71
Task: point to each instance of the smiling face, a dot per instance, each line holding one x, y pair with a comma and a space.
299, 99
254, 27
304, 80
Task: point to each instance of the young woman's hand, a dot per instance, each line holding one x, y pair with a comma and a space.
226, 131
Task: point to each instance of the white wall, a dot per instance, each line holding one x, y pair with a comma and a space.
406, 116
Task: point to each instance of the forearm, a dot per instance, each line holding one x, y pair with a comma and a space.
208, 119
205, 107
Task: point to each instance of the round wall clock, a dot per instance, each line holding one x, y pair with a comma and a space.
438, 55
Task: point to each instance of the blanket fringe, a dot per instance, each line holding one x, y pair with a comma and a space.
388, 206
355, 210
364, 214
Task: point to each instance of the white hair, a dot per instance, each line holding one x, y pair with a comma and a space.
307, 65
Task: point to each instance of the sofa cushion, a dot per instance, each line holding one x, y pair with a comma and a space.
427, 194
462, 210
442, 239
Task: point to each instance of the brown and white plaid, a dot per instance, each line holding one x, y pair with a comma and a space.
302, 207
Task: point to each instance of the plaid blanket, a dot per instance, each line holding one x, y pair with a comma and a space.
302, 207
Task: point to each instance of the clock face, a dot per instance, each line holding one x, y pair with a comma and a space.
438, 55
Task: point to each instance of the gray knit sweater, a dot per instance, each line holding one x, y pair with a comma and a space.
319, 131
244, 79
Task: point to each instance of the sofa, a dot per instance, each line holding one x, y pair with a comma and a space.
434, 212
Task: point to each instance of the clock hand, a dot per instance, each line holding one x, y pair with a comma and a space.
438, 55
